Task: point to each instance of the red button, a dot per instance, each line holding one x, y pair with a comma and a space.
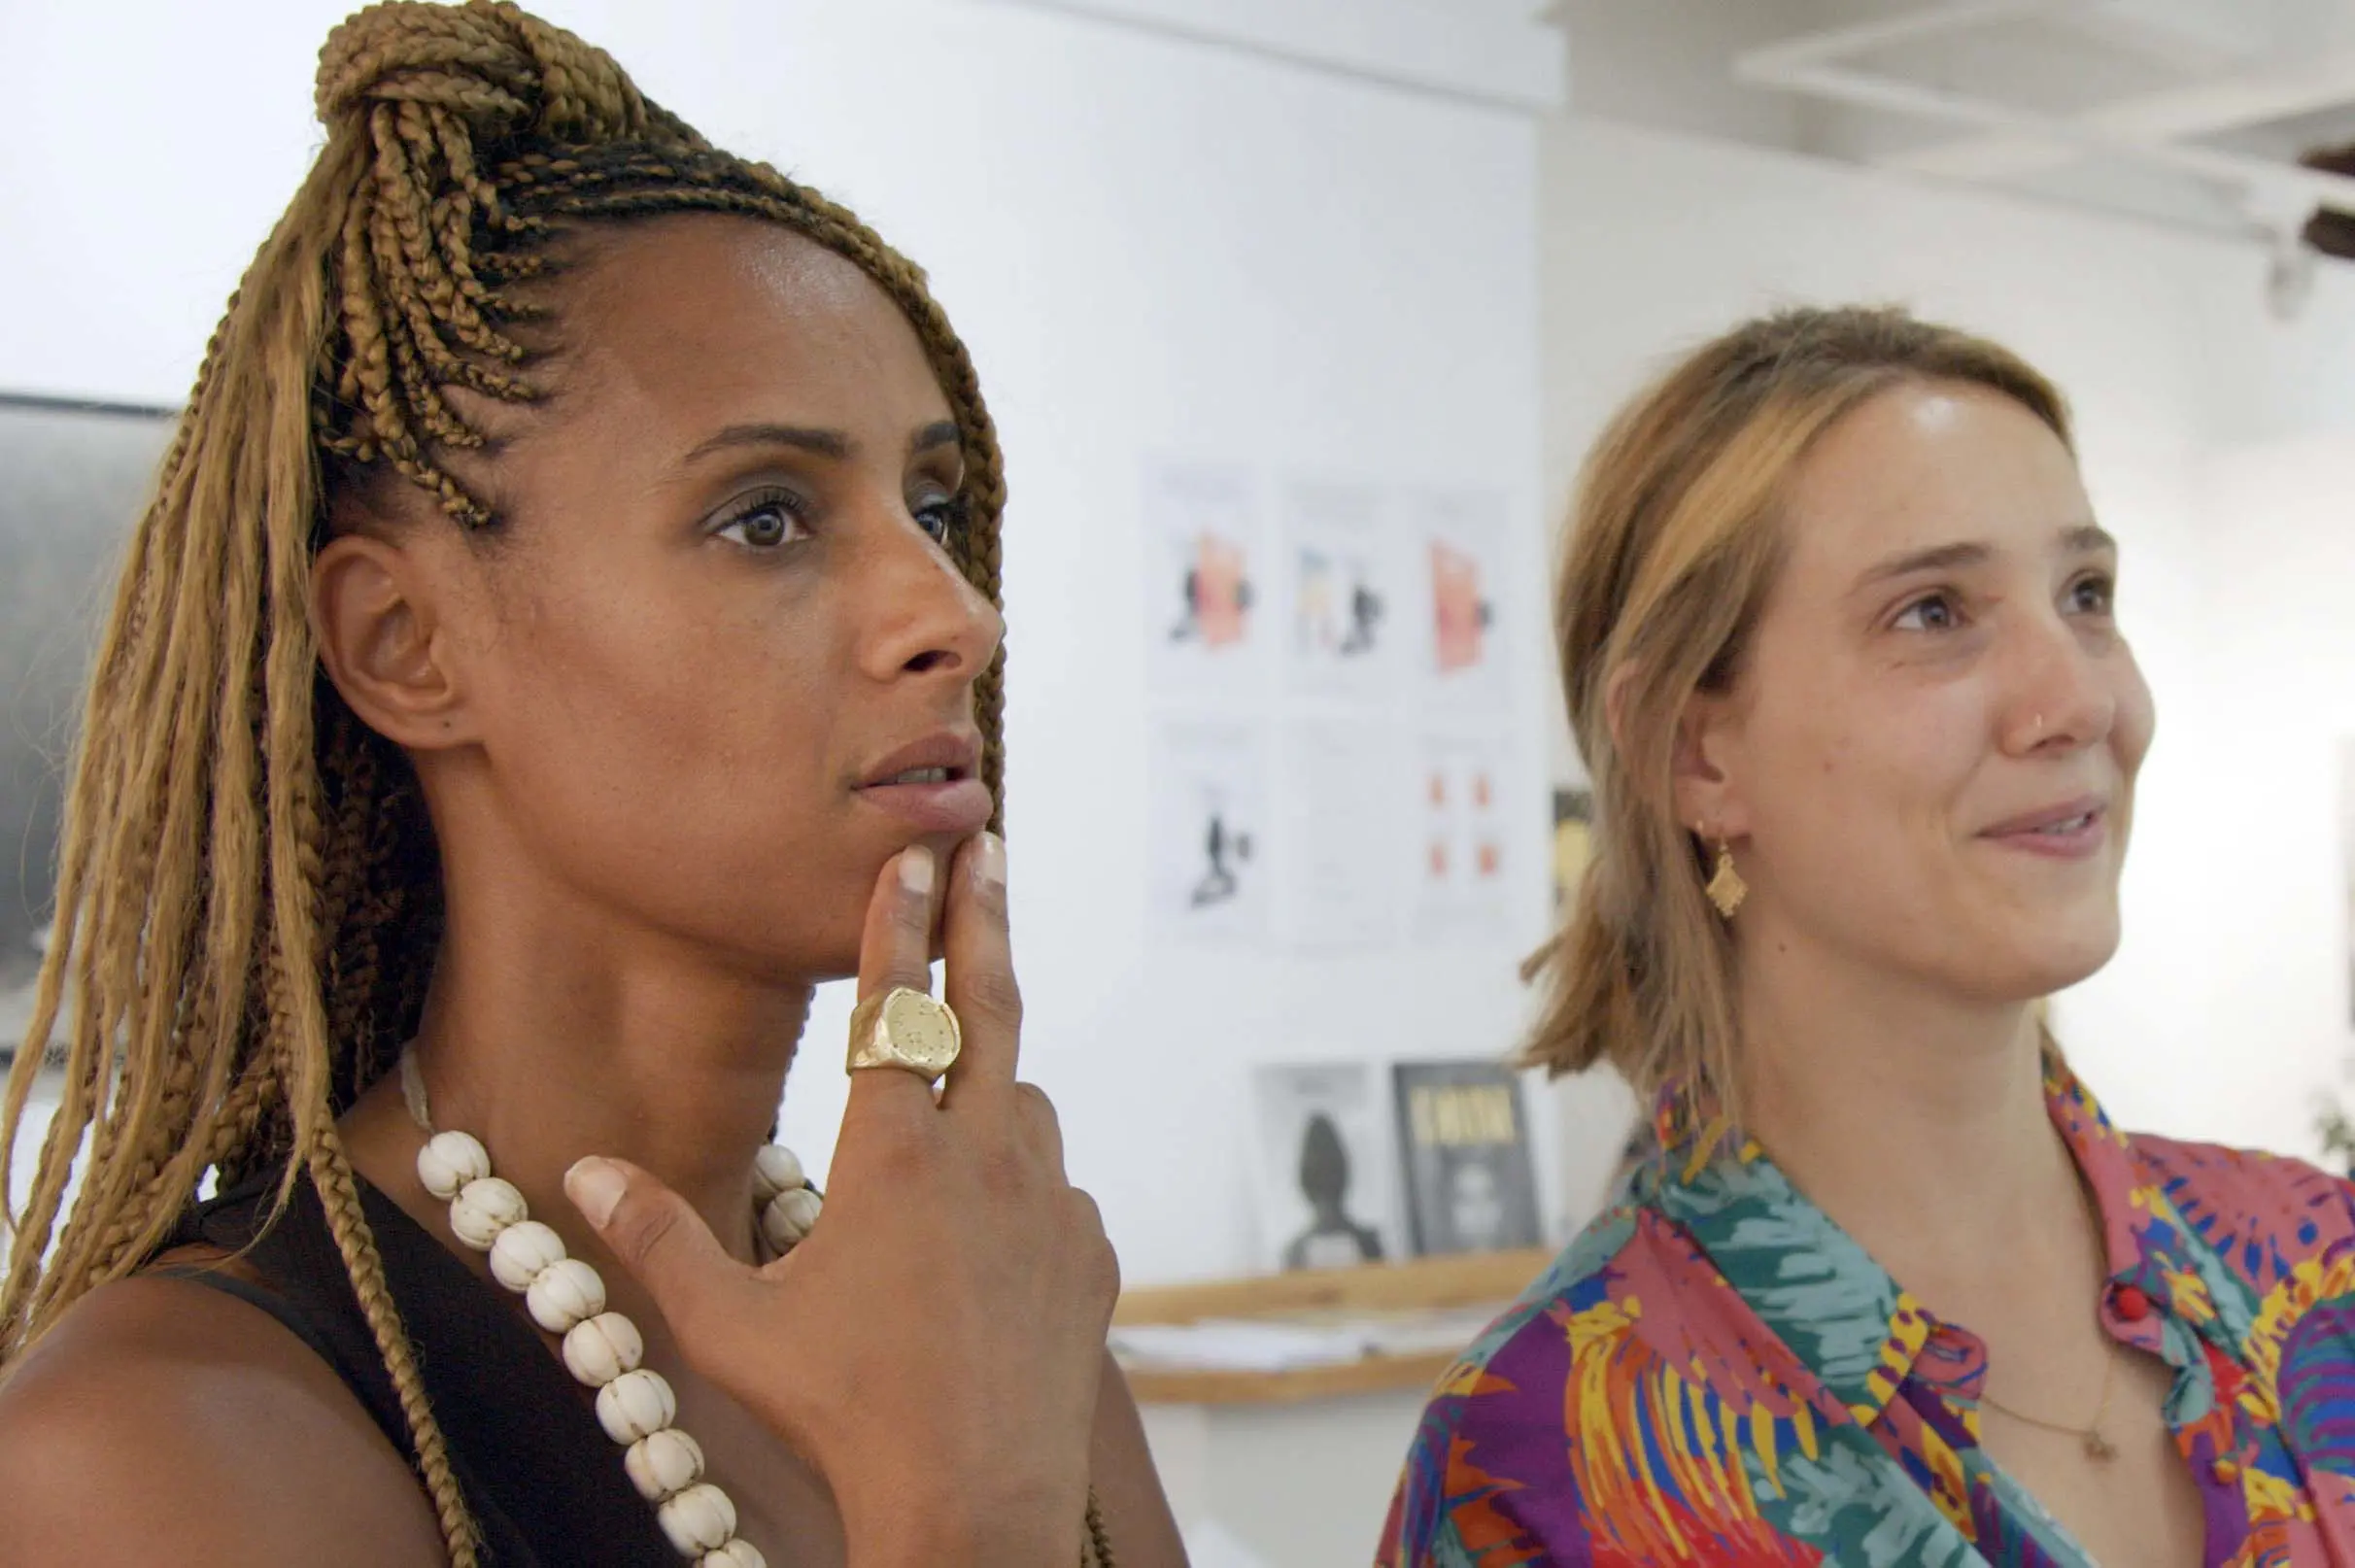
2131, 1305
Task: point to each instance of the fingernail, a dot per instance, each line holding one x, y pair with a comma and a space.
916, 870
594, 1187
989, 860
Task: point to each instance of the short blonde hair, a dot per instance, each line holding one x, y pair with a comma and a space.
1674, 537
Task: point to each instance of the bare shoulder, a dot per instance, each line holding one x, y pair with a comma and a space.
163, 1422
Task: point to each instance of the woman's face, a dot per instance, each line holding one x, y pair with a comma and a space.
722, 665
1927, 759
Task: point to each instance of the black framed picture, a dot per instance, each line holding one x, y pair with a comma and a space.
73, 478
1324, 1180
1463, 1146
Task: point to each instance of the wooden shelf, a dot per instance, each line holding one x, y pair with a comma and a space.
1323, 1295
1376, 1374
1467, 1280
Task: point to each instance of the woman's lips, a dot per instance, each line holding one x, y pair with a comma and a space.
947, 805
2075, 832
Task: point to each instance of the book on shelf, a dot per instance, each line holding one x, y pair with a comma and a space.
1463, 1154
1323, 1188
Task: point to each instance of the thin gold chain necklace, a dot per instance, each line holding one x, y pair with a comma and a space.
2097, 1446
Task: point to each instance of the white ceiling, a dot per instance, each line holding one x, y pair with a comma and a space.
2192, 111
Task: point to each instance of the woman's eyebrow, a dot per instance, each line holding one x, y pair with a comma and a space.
1937, 557
835, 444
2083, 538
825, 443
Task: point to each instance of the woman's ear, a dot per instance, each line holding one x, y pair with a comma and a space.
1703, 769
1702, 783
379, 638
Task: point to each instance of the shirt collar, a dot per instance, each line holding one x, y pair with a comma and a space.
2153, 1248
1840, 1313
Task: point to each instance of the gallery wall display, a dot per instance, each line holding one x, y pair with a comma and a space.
1361, 1164
73, 477
1333, 752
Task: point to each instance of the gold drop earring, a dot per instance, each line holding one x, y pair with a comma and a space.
1726, 889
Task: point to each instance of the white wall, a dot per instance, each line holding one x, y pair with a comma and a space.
2226, 1005
2274, 848
1491, 51
1668, 64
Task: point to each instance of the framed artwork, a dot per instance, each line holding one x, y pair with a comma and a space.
1324, 1180
1205, 557
1463, 1150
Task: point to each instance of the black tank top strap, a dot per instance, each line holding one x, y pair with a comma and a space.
544, 1483
289, 1316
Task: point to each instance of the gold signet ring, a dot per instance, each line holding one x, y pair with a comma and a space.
908, 1030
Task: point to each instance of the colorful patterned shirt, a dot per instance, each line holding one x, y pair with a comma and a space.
1716, 1373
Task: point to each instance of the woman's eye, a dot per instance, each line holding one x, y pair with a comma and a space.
765, 523
1931, 612
2093, 596
942, 521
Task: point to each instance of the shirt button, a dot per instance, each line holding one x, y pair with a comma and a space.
2131, 1305
2225, 1469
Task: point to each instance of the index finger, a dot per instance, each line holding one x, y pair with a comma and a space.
981, 985
895, 950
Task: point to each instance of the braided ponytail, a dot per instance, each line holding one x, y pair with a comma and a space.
248, 893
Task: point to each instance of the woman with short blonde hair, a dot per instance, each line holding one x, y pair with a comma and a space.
1838, 634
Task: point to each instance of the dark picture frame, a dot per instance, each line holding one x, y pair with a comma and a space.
74, 476
1463, 1146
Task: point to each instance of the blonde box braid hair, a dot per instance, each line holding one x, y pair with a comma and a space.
249, 895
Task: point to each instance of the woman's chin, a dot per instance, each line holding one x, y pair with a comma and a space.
2054, 958
812, 961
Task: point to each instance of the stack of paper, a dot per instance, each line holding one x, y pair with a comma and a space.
1231, 1344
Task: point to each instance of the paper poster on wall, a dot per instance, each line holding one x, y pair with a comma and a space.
1204, 569
1324, 1177
1207, 873
1342, 797
1341, 582
1461, 837
1458, 537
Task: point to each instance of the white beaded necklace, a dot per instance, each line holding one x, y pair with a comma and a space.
635, 1404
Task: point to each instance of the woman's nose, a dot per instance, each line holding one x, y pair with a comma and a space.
927, 617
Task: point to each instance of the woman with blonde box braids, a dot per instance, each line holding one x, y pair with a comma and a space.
565, 631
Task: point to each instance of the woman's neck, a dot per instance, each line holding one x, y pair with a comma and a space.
550, 1037
1916, 1121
